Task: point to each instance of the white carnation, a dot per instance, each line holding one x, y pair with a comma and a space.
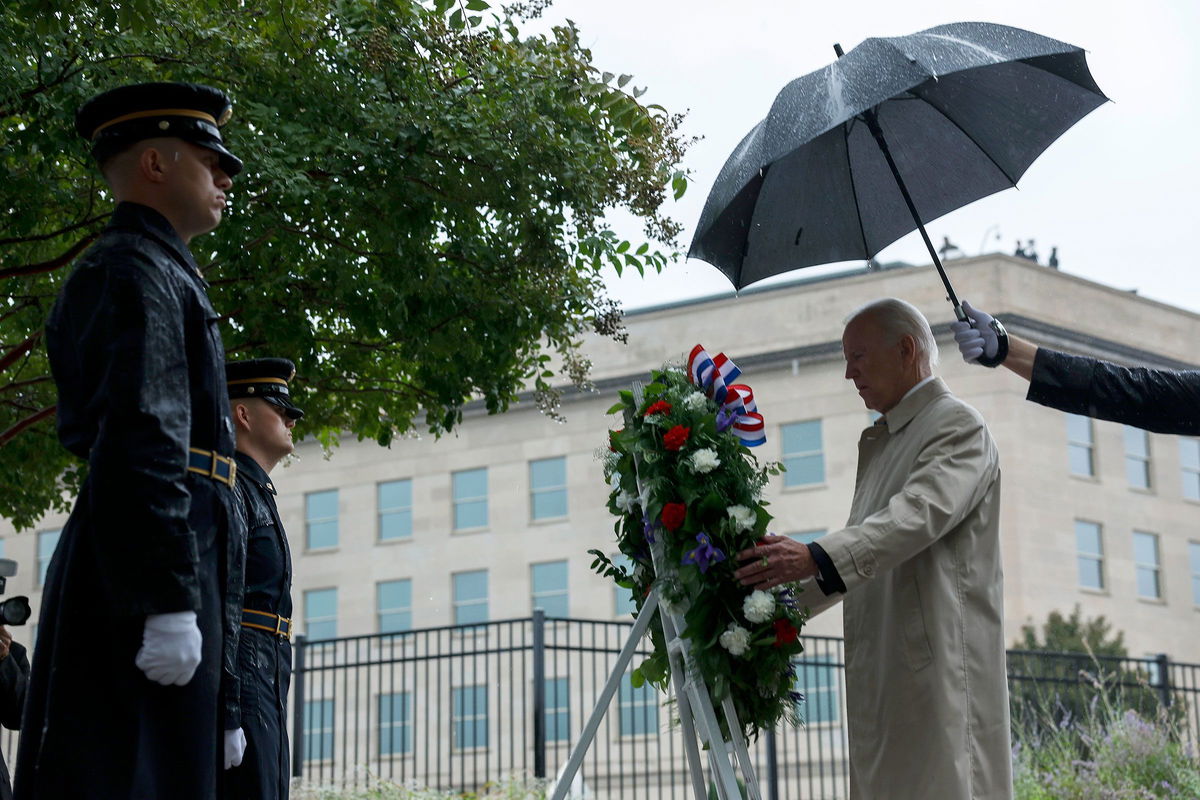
735, 639
759, 606
695, 401
626, 502
615, 481
743, 518
705, 460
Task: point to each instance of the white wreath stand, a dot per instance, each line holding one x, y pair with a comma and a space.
691, 696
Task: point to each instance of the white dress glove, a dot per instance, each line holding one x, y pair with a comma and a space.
980, 340
235, 747
170, 649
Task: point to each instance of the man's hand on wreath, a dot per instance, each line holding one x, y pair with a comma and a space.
773, 561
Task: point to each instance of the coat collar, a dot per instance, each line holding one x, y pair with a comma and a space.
253, 471
144, 219
912, 404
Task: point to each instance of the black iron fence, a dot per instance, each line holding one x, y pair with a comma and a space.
455, 708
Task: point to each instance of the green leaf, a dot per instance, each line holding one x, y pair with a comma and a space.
478, 5
624, 79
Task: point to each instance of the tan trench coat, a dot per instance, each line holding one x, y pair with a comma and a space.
926, 688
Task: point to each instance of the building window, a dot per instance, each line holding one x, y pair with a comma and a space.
1194, 561
623, 604
470, 499
470, 597
638, 708
1137, 458
321, 519
802, 454
558, 710
320, 613
393, 601
1189, 467
549, 583
1089, 554
46, 542
1146, 562
395, 510
470, 721
395, 723
318, 730
548, 488
1081, 445
817, 680
807, 537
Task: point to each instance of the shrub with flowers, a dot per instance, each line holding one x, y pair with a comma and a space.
681, 475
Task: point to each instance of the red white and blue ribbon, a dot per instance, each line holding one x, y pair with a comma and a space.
715, 376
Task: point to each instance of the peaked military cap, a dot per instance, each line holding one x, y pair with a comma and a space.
263, 377
120, 117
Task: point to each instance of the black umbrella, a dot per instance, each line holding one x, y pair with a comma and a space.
896, 133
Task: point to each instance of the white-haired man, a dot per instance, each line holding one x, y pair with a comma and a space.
919, 567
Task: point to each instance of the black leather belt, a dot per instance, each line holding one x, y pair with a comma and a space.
266, 621
210, 465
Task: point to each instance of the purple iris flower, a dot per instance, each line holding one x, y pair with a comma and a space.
787, 598
705, 555
725, 419
648, 526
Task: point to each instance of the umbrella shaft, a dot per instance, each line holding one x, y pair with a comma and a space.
877, 132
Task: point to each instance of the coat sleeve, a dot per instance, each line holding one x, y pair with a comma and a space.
235, 591
128, 323
14, 677
951, 475
1159, 400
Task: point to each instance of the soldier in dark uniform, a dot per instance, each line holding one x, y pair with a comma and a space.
14, 679
123, 695
263, 415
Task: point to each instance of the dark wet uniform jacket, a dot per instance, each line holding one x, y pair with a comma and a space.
1159, 400
264, 659
140, 369
14, 677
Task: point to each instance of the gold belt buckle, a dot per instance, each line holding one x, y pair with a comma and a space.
279, 627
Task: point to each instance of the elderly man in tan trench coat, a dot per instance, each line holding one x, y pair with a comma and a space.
919, 567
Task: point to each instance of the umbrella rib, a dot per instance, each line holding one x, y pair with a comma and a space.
970, 138
862, 233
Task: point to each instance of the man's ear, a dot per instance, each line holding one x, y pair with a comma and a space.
152, 164
241, 417
908, 349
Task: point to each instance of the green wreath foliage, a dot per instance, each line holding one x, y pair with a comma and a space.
678, 474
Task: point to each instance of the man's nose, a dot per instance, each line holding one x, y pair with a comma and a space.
850, 371
291, 423
220, 179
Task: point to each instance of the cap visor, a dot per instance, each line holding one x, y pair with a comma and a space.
289, 409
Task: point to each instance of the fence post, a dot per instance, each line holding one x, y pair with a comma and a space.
298, 677
539, 693
772, 767
1164, 679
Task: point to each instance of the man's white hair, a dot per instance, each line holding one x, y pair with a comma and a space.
898, 319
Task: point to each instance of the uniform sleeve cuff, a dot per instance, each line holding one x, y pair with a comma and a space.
828, 579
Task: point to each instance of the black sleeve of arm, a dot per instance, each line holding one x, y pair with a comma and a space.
14, 677
1159, 400
129, 320
828, 579
235, 592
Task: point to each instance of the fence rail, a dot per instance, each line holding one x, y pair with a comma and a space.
453, 708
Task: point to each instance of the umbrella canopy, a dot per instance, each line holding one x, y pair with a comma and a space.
964, 109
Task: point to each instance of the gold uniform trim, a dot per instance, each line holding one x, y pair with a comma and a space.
280, 381
159, 112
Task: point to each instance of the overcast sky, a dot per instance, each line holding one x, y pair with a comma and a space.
1117, 193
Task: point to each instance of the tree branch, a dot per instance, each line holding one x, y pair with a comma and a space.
33, 419
59, 232
52, 264
15, 354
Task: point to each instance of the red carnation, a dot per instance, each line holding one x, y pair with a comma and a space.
612, 435
785, 632
660, 407
673, 515
676, 437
